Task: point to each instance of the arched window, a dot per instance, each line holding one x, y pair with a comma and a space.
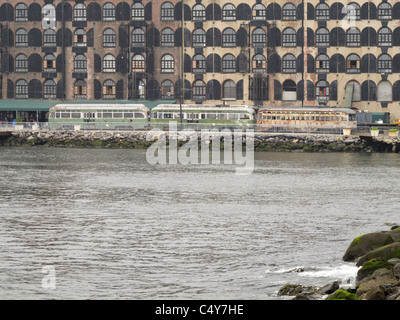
50, 89
289, 64
259, 64
167, 11
80, 89
199, 13
384, 11
108, 63
322, 91
289, 91
167, 64
229, 12
353, 37
80, 12
259, 12
229, 38
138, 63
289, 37
21, 89
229, 90
199, 90
167, 90
322, 37
289, 12
21, 38
199, 64
384, 37
140, 90
384, 63
356, 90
199, 38
80, 38
49, 63
109, 38
108, 12
138, 12
138, 38
352, 12
49, 38
80, 63
259, 38
21, 63
229, 63
353, 64
384, 92
322, 64
167, 37
322, 12
109, 89
21, 12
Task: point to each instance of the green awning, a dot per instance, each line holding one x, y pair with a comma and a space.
45, 105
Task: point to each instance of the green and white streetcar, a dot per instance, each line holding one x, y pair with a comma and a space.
99, 116
205, 116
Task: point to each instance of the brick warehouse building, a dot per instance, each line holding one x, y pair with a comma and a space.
279, 53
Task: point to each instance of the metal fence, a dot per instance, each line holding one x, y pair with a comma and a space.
97, 126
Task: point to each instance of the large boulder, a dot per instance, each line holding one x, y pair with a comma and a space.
295, 289
369, 267
395, 234
376, 293
396, 271
379, 279
342, 295
387, 252
365, 243
329, 288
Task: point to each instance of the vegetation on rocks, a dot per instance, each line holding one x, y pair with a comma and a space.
290, 142
378, 255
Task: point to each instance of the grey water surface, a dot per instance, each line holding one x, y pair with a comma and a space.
115, 227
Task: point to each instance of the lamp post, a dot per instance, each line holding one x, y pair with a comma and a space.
181, 80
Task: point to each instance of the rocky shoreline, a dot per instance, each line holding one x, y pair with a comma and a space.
378, 256
289, 142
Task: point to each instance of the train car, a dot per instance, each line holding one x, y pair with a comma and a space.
204, 116
99, 116
306, 119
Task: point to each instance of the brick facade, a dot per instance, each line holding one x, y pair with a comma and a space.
258, 53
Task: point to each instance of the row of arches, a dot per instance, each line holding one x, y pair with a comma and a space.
215, 63
109, 89
289, 90
228, 37
322, 91
122, 11
337, 63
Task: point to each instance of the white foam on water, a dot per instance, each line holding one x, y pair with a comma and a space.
286, 270
345, 271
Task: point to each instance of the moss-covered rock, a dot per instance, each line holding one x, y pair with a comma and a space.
387, 252
295, 289
366, 243
369, 267
342, 295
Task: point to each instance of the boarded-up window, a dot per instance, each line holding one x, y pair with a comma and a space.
384, 91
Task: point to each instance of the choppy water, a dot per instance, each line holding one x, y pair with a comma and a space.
115, 227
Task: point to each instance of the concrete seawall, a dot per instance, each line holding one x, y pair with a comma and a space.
296, 142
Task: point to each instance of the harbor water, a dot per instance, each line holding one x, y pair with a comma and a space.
112, 226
